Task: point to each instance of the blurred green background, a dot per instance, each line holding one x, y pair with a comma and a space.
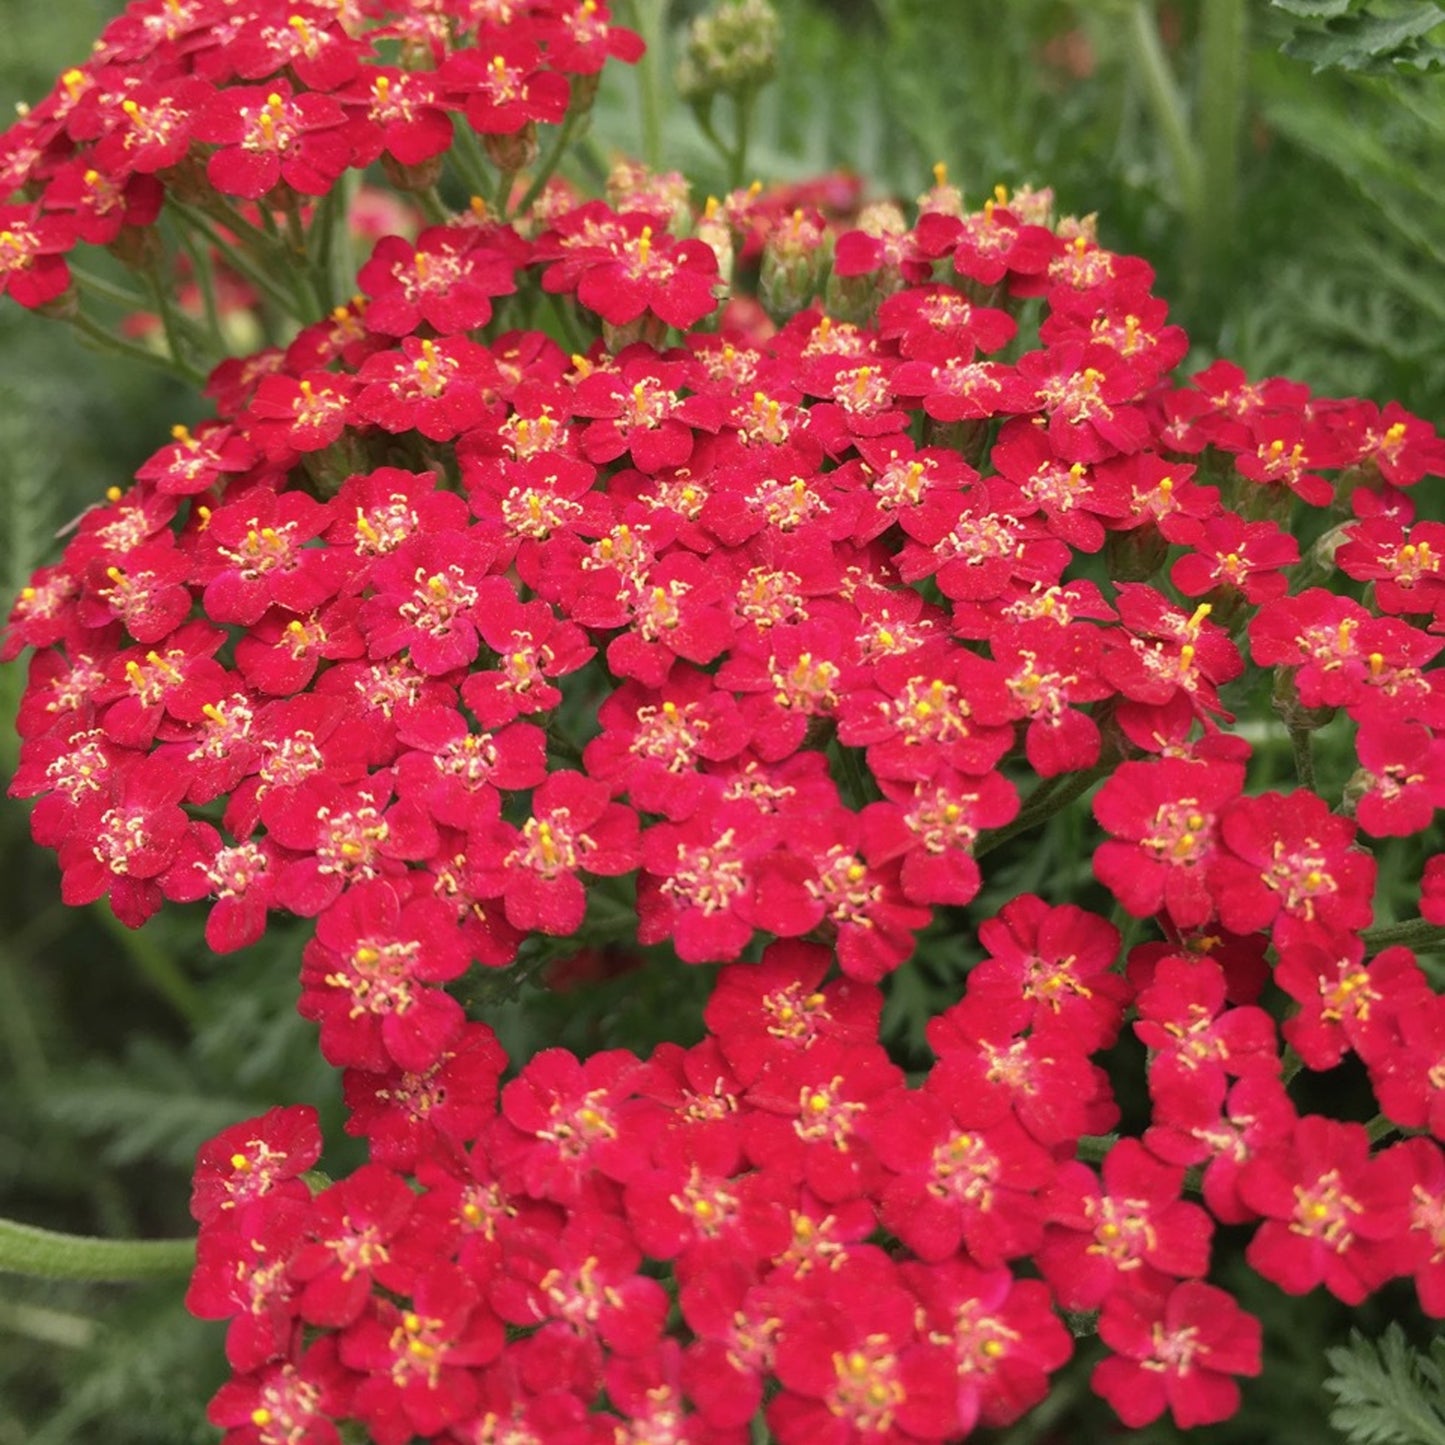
1297, 222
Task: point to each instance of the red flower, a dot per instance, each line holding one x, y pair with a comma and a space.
581, 1285
503, 85
284, 1401
406, 1117
255, 1159
1164, 812
806, 1114
1257, 1115
1177, 1350
1048, 968
124, 851
366, 979
933, 827
853, 1371
568, 1128
1085, 391
1002, 1333
256, 557
304, 414
1344, 1004
1333, 1214
1195, 1042
1288, 861
419, 1361
346, 835
438, 388
1131, 1230
574, 828
446, 278
699, 887
1426, 1164
1409, 1079
402, 113
424, 597
653, 741
1229, 554
582, 38
958, 1184
762, 1014
103, 206
358, 1235
242, 1274
930, 711
639, 269
1404, 564
267, 135
319, 52
1401, 781
1044, 1080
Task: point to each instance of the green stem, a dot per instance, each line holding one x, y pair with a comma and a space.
98, 286
1092, 1148
206, 281
170, 322
1290, 1065
47, 1326
309, 304
469, 160
571, 337
743, 101
650, 17
321, 243
1380, 1127
710, 134
108, 341
1304, 757
1219, 108
1162, 92
1414, 933
433, 207
505, 182
237, 259
1050, 798
555, 152
157, 967
44, 1254
854, 777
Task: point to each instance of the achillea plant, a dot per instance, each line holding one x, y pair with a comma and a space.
746, 581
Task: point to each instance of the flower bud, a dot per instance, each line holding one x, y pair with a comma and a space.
795, 256
713, 228
941, 198
733, 49
513, 152
632, 187
1293, 713
413, 179
856, 297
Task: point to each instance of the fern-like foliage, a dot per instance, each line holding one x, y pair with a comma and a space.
1366, 36
1387, 1392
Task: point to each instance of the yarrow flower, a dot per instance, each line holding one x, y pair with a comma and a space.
729, 657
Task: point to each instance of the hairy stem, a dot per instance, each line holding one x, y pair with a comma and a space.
46, 1254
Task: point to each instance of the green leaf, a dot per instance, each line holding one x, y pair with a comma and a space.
1367, 42
1315, 9
1387, 1392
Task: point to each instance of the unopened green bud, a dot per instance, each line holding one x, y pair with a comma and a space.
732, 49
632, 187
795, 258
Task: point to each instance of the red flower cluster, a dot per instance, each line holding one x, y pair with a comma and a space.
214, 103
436, 629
